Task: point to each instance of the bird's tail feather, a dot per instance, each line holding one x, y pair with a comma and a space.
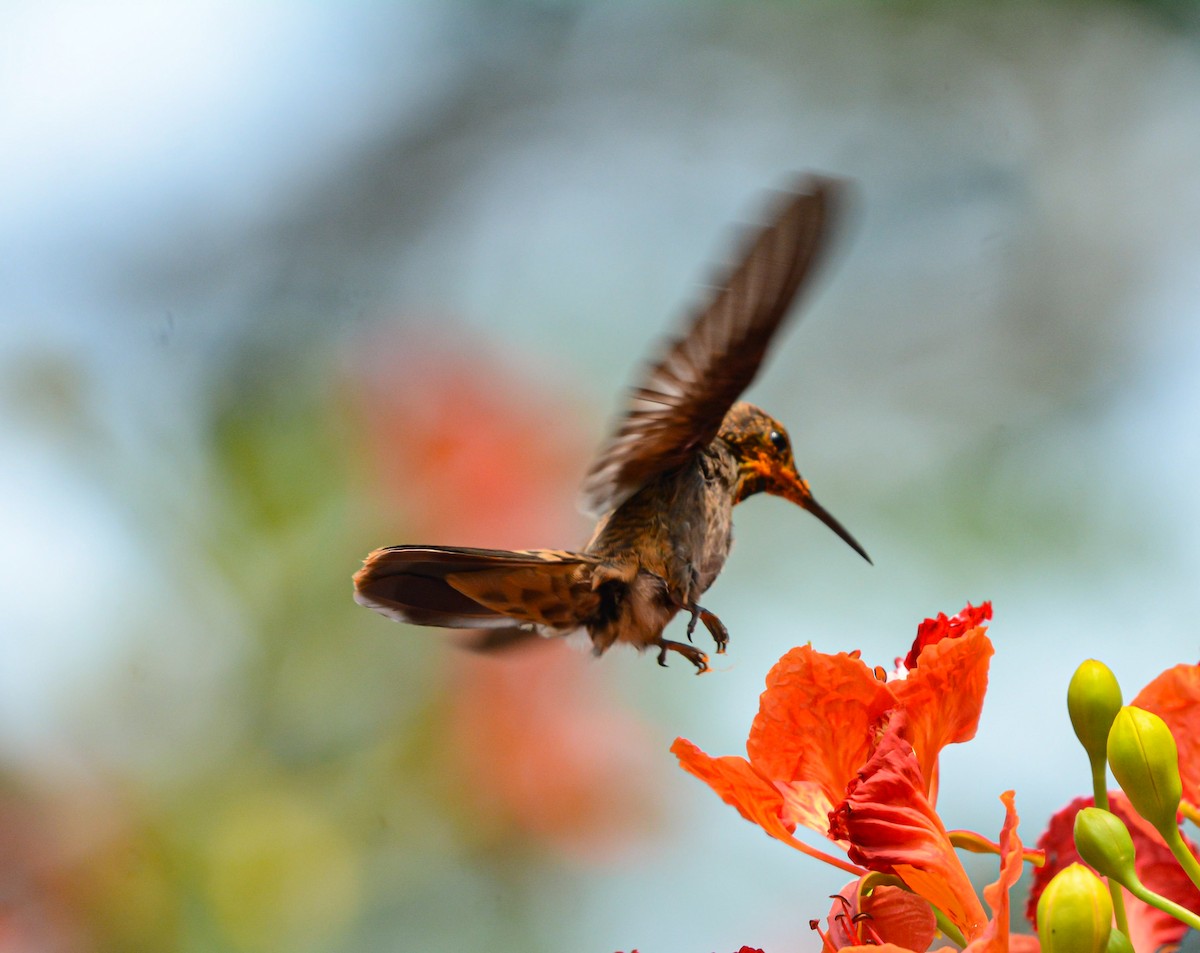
465, 588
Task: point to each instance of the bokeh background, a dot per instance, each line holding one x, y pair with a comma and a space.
284, 283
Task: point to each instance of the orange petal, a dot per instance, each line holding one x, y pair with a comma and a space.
886, 915
892, 828
1175, 697
932, 631
900, 917
758, 801
943, 696
891, 948
816, 723
994, 937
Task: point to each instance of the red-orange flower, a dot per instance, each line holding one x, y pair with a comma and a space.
892, 828
1149, 927
815, 727
828, 725
867, 915
943, 694
942, 626
900, 927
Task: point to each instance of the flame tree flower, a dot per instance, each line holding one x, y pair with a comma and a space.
851, 753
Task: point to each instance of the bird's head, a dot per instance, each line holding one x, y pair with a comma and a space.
763, 452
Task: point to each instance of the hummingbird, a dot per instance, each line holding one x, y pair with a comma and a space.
685, 452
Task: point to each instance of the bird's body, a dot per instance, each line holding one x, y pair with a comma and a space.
661, 549
664, 488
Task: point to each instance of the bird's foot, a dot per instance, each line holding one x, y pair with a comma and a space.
689, 652
716, 628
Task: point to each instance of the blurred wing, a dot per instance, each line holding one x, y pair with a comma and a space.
680, 405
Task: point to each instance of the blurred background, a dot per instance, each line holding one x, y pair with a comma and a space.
284, 283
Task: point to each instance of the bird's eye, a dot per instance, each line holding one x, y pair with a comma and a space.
778, 440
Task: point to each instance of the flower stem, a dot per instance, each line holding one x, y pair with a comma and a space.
1186, 859
1100, 783
1182, 914
1100, 796
1118, 899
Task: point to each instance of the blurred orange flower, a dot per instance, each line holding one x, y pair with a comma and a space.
470, 453
464, 448
538, 748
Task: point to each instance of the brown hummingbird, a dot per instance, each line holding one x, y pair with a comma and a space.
663, 488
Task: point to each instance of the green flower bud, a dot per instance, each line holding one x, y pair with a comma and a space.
1145, 762
1074, 913
1118, 942
1093, 700
1103, 841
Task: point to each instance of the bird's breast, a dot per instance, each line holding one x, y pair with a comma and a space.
678, 527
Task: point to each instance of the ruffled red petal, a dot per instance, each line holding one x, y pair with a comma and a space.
892, 828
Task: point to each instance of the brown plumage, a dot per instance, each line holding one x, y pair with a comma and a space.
663, 488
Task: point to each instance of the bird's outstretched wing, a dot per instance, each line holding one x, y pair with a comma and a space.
679, 406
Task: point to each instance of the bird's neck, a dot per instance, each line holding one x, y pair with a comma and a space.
748, 483
742, 481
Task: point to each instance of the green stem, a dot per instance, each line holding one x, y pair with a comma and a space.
1185, 857
953, 933
1100, 782
1182, 914
1118, 899
1100, 796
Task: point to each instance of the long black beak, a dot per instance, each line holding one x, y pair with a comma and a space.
826, 517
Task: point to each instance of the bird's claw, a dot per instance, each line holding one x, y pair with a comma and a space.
689, 652
716, 628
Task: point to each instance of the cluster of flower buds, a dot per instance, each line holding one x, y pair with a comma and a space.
1075, 911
